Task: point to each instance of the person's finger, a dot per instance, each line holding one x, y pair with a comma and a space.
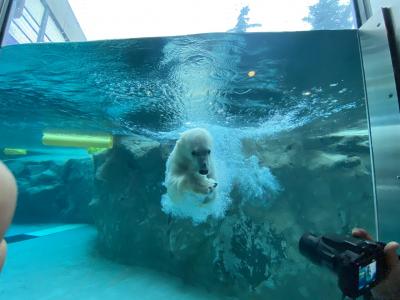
8, 195
3, 252
361, 234
391, 257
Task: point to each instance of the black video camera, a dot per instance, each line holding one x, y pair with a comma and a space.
359, 264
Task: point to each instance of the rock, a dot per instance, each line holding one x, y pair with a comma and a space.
325, 160
320, 179
17, 167
248, 254
138, 147
126, 207
330, 160
327, 187
53, 190
47, 177
252, 252
78, 183
349, 162
133, 229
347, 141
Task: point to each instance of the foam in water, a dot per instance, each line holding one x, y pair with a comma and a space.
234, 168
253, 181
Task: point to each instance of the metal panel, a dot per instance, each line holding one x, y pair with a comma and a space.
384, 118
376, 5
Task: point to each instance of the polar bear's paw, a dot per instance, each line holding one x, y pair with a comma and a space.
207, 186
212, 184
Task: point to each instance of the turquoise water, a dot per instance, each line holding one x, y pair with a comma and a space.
287, 115
160, 84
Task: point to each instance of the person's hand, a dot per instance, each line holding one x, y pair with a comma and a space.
8, 196
389, 288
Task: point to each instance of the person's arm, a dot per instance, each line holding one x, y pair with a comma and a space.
389, 288
8, 196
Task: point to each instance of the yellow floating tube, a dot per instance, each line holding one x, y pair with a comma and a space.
77, 140
15, 151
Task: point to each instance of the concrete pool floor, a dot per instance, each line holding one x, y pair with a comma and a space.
63, 266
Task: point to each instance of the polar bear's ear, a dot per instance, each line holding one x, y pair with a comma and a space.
181, 135
179, 140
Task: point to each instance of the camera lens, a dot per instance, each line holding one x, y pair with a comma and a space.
308, 246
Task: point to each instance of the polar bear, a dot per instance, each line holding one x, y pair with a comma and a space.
190, 171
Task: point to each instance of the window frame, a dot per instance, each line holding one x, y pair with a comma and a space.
362, 11
5, 22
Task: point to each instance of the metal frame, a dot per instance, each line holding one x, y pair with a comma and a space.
377, 37
49, 14
388, 17
362, 11
43, 24
5, 20
4, 13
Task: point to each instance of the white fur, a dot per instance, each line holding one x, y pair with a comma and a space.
183, 180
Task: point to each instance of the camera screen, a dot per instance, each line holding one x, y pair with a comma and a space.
366, 275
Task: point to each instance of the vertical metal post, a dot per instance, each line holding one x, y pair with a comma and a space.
362, 11
43, 24
5, 7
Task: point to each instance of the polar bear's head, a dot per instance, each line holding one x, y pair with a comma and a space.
194, 146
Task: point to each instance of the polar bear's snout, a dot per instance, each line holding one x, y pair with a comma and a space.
203, 171
202, 157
